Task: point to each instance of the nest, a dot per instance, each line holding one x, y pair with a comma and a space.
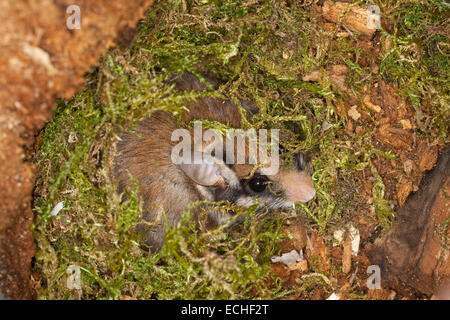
260, 52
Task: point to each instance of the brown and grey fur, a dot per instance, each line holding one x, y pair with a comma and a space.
166, 189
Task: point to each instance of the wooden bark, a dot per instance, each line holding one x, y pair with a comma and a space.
415, 251
355, 18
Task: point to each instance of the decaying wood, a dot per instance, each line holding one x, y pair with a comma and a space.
415, 251
355, 18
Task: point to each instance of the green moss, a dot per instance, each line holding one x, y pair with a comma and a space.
442, 232
418, 59
259, 51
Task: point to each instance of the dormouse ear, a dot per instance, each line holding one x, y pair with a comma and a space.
205, 173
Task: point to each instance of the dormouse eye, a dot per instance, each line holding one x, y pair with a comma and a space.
258, 184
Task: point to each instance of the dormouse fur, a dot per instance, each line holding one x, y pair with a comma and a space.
167, 188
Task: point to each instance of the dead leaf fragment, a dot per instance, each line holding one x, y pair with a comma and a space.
406, 124
403, 191
297, 238
302, 266
427, 156
353, 113
349, 127
339, 69
317, 249
347, 256
408, 166
370, 105
313, 76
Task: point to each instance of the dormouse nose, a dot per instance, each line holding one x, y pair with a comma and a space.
298, 186
309, 194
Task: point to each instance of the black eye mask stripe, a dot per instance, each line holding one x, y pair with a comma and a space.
300, 161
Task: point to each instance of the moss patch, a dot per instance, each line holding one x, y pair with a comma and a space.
260, 51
